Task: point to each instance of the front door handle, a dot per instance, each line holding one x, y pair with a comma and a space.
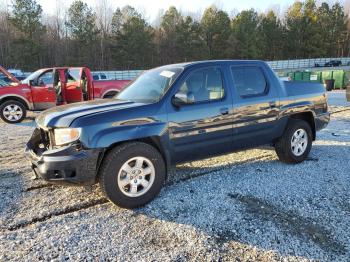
224, 111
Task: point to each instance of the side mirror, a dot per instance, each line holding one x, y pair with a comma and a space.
182, 98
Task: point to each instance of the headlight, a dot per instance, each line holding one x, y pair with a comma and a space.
66, 135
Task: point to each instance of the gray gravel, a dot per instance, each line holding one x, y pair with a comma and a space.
239, 207
337, 98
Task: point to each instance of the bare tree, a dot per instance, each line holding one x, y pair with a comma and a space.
104, 16
5, 33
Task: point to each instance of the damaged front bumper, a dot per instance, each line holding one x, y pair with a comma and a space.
65, 165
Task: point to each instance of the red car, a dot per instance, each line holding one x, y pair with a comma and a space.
50, 87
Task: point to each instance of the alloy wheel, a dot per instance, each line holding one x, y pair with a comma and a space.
12, 112
136, 176
299, 142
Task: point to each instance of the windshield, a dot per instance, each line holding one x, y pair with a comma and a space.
151, 85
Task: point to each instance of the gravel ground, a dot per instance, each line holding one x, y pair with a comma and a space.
244, 206
336, 98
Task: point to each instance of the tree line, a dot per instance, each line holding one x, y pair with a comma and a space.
81, 35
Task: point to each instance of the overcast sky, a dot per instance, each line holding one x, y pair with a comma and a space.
150, 8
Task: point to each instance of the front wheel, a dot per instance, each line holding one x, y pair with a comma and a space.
132, 174
295, 144
13, 111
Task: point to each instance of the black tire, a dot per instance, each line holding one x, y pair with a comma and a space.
112, 164
20, 106
283, 146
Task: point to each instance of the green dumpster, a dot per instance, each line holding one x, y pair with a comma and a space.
298, 76
339, 77
326, 75
316, 77
306, 76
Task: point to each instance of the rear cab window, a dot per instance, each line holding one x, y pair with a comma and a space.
249, 81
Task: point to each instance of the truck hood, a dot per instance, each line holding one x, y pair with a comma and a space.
63, 116
9, 75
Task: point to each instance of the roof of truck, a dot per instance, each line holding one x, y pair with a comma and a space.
193, 63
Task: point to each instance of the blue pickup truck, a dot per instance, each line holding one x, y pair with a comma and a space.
172, 114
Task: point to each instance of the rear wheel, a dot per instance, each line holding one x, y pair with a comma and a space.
295, 144
13, 111
132, 174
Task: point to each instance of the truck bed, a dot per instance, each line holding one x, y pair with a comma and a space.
303, 88
103, 87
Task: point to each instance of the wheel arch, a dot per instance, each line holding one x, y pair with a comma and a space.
17, 98
153, 141
307, 117
110, 91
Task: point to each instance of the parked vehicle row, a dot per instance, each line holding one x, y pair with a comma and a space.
332, 63
99, 76
18, 74
174, 114
50, 87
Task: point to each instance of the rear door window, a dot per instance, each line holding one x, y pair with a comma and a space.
249, 81
73, 75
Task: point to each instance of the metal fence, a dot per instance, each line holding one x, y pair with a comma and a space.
305, 63
276, 65
120, 75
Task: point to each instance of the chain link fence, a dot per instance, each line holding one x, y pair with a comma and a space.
276, 65
306, 63
118, 75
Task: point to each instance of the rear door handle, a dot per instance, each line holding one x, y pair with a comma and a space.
224, 111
